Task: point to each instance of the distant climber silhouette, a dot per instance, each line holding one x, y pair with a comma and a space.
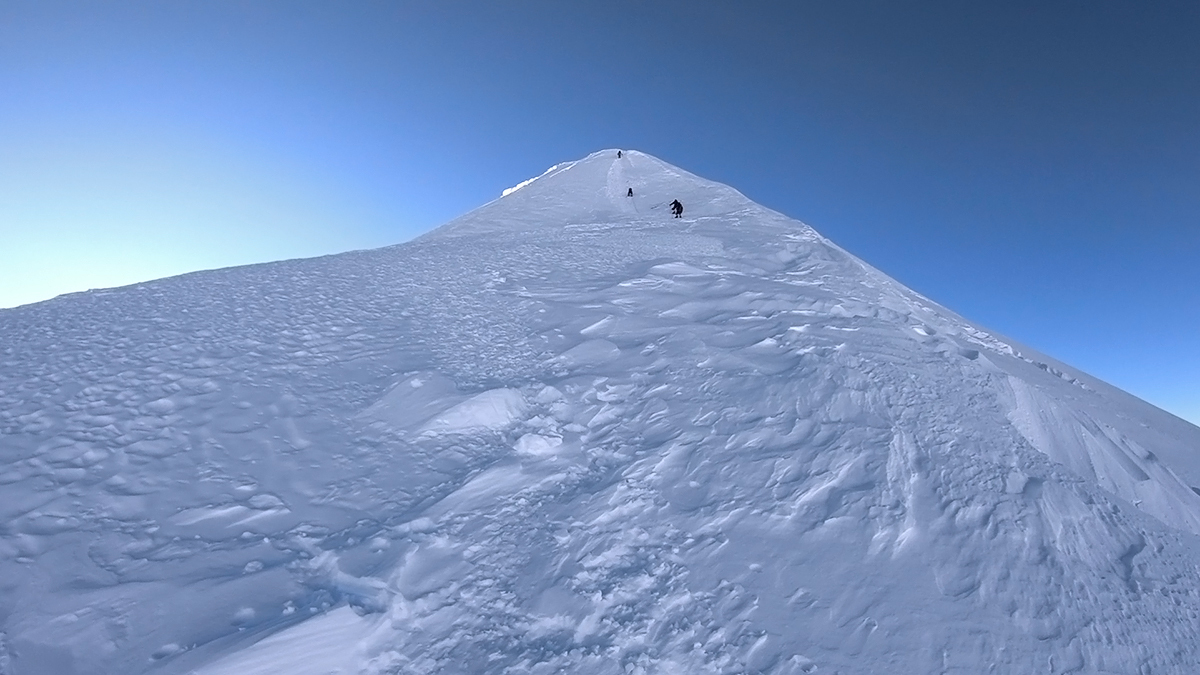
630, 193
618, 154
677, 208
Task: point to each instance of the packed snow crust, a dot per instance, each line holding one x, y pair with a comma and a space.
567, 432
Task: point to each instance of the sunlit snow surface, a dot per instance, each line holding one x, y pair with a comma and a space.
568, 433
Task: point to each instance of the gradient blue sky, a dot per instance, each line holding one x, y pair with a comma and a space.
1034, 166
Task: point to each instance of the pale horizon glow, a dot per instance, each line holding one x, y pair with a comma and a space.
119, 210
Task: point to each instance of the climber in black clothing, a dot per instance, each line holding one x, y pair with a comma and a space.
677, 208
618, 154
630, 193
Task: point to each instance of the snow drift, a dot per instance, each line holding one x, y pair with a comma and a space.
568, 433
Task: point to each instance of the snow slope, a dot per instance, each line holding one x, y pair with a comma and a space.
569, 433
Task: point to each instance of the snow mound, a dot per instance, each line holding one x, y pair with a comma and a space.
491, 410
567, 432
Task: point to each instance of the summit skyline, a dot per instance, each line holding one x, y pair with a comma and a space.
1031, 167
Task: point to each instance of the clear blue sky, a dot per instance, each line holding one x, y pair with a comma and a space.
1034, 166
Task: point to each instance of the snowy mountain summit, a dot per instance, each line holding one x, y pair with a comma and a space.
569, 433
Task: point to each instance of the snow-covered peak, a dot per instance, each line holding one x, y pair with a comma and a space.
595, 189
568, 432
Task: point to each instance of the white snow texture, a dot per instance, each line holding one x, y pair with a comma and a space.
569, 433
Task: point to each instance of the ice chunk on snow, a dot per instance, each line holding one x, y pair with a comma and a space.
537, 445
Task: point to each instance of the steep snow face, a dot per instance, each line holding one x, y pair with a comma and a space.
570, 433
594, 191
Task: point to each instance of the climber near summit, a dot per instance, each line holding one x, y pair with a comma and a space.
630, 193
618, 154
677, 208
